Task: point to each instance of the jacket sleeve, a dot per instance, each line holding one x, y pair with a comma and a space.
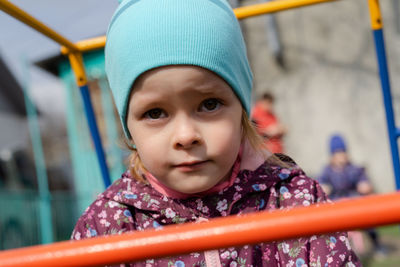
103, 217
318, 250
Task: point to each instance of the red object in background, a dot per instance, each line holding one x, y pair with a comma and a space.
265, 119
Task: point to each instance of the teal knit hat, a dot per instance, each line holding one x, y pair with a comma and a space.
146, 34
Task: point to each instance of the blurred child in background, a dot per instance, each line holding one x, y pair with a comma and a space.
267, 123
343, 179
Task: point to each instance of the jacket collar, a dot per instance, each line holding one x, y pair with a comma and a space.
144, 197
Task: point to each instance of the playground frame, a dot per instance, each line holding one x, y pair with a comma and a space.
224, 232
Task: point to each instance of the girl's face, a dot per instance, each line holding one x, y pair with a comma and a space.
186, 124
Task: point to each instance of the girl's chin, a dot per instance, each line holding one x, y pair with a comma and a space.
194, 189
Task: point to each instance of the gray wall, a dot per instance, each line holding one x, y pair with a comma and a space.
331, 82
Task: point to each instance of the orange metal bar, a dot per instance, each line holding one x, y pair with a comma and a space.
222, 232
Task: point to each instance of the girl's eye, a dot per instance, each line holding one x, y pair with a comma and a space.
154, 114
210, 104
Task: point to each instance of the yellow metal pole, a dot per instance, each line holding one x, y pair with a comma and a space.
240, 12
77, 66
393, 130
24, 17
87, 45
273, 6
375, 14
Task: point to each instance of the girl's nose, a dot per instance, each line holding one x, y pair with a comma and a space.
186, 134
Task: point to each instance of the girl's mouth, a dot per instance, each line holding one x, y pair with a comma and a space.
190, 166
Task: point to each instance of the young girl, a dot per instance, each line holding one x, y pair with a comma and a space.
181, 81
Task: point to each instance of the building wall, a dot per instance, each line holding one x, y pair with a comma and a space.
330, 83
14, 132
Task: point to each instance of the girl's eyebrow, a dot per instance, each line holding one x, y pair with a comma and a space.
212, 88
205, 89
148, 102
143, 102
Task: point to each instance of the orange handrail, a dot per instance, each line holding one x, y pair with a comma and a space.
222, 232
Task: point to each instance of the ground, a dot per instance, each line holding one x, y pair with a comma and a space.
390, 237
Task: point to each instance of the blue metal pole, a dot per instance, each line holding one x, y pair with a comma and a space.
393, 132
78, 67
95, 134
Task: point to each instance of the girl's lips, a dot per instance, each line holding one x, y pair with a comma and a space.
190, 163
190, 166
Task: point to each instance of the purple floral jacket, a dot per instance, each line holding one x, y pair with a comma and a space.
128, 205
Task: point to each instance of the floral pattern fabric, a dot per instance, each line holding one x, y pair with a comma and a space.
128, 205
